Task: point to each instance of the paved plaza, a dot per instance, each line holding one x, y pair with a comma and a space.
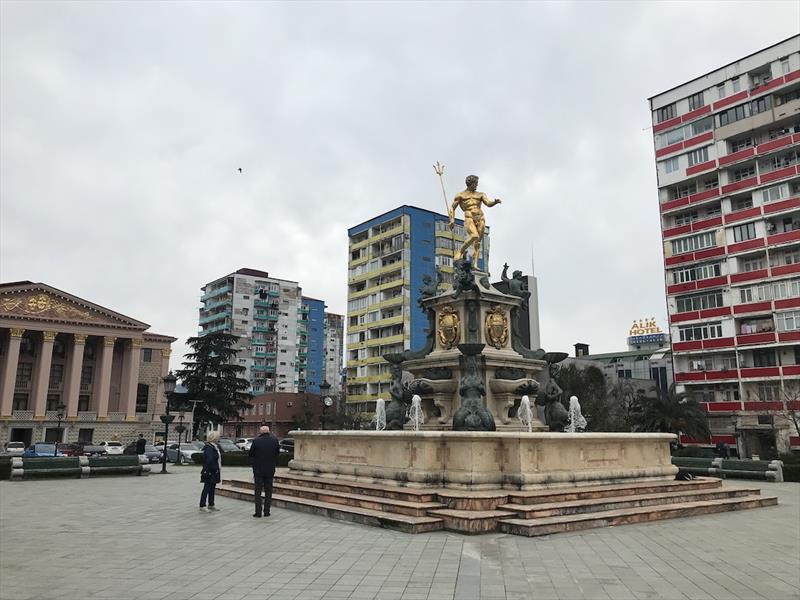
129, 538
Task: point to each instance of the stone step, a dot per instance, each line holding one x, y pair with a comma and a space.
553, 509
408, 494
403, 507
564, 523
471, 521
364, 516
584, 492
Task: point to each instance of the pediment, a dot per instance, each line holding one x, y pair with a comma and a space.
43, 303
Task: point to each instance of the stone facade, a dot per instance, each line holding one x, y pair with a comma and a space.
59, 353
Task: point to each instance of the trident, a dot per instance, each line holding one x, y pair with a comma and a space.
440, 172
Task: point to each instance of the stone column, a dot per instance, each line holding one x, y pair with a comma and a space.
130, 378
41, 374
72, 383
9, 377
160, 398
103, 379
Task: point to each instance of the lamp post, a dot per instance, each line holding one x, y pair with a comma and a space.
166, 418
327, 401
60, 415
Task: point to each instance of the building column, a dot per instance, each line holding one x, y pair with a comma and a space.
72, 383
41, 374
103, 379
130, 378
9, 377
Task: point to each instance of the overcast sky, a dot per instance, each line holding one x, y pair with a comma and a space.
124, 124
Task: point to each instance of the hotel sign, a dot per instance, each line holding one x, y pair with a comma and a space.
645, 331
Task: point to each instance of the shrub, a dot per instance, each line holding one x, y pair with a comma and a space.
5, 467
791, 472
790, 458
695, 452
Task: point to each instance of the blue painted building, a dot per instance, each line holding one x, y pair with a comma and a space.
312, 322
388, 257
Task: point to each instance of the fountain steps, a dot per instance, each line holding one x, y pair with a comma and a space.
339, 511
528, 513
565, 523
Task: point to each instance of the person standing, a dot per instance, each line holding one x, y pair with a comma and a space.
264, 457
140, 445
212, 470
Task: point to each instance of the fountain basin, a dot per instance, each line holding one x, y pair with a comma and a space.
483, 460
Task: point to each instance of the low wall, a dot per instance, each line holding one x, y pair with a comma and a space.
483, 460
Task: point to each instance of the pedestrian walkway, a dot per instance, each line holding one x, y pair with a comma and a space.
142, 538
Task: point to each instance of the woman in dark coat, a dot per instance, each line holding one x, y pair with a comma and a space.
212, 469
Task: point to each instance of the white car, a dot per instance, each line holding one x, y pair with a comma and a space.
15, 448
244, 443
113, 447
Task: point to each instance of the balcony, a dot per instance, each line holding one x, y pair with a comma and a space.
215, 304
265, 303
223, 314
259, 317
225, 289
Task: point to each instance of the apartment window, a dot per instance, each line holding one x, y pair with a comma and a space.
742, 203
753, 264
760, 105
737, 113
696, 273
695, 242
744, 173
444, 261
713, 211
685, 218
697, 157
701, 126
741, 144
788, 321
147, 355
791, 257
710, 184
767, 392
86, 374
703, 364
728, 362
764, 358
785, 65
671, 165
682, 191
699, 302
52, 401
744, 232
666, 113
735, 84
701, 331
696, 101
721, 90
756, 293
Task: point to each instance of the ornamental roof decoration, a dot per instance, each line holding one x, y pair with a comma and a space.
28, 301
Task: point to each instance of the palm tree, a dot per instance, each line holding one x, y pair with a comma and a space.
671, 412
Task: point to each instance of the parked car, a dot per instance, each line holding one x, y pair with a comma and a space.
89, 449
227, 445
286, 446
244, 443
39, 450
113, 447
15, 448
183, 452
152, 453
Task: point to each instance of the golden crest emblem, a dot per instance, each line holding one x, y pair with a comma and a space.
496, 327
449, 327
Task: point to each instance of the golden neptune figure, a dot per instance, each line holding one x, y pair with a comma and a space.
471, 201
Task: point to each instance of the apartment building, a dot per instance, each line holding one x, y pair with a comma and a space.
727, 148
388, 257
334, 351
281, 332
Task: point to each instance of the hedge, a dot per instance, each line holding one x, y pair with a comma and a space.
240, 459
5, 468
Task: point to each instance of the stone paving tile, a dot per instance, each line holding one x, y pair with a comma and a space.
146, 540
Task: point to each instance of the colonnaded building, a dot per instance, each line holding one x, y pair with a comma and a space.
60, 354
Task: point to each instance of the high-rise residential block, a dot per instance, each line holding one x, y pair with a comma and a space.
727, 150
388, 257
281, 332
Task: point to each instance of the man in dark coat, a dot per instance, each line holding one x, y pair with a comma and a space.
140, 444
264, 457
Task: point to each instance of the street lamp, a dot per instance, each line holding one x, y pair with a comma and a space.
327, 401
60, 415
166, 418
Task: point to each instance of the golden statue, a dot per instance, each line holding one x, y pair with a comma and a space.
470, 201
